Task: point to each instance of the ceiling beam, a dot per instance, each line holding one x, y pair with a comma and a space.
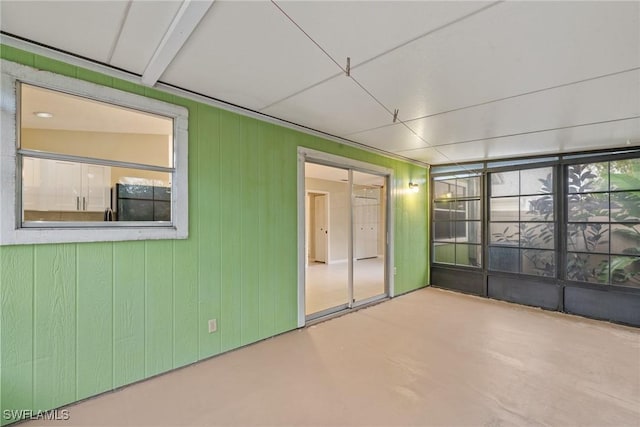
183, 24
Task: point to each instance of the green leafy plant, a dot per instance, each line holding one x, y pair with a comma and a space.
593, 213
538, 233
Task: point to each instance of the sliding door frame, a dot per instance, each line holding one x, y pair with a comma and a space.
309, 155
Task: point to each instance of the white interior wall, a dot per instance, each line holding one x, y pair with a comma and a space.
338, 215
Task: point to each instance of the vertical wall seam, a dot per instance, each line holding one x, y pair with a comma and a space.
33, 327
196, 204
113, 315
77, 315
144, 333
242, 235
173, 303
220, 284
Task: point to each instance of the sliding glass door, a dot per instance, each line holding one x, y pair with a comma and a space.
369, 235
345, 238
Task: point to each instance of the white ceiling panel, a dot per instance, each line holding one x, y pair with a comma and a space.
146, 23
602, 136
617, 97
391, 138
337, 106
361, 30
247, 53
508, 49
86, 28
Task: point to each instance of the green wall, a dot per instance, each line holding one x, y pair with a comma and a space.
80, 319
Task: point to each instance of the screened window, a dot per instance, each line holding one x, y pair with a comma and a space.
521, 222
457, 221
603, 222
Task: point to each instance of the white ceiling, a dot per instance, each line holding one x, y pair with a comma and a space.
471, 80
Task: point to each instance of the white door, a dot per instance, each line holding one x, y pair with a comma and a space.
321, 232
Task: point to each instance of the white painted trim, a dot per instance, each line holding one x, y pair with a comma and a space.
184, 23
10, 212
302, 262
305, 154
133, 78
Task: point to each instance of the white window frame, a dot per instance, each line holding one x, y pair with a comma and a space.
12, 231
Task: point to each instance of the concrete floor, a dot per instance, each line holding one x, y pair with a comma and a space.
326, 284
428, 358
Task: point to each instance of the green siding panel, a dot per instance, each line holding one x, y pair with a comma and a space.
159, 307
128, 312
209, 246
16, 327
80, 319
268, 233
54, 370
250, 222
231, 171
16, 55
185, 297
95, 313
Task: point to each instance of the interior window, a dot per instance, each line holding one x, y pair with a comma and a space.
82, 162
88, 161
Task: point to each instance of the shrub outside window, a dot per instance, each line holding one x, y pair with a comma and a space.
603, 222
522, 228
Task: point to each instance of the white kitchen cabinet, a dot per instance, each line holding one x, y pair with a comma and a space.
56, 185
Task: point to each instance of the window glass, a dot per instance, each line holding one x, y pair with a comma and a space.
539, 235
505, 183
538, 263
504, 233
505, 209
588, 238
457, 215
536, 208
504, 259
588, 177
536, 181
86, 128
522, 226
89, 161
603, 227
588, 268
445, 189
444, 253
468, 187
468, 255
625, 174
590, 207
473, 232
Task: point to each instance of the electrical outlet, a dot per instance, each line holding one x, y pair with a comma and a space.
213, 325
395, 271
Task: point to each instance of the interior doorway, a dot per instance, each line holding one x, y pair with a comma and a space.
346, 237
317, 227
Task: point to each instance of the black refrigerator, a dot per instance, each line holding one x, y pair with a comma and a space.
142, 203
